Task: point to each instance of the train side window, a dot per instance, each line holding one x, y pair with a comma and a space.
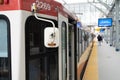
64, 49
4, 49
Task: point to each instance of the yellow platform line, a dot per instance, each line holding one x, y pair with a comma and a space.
91, 72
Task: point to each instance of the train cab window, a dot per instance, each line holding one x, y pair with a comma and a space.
4, 49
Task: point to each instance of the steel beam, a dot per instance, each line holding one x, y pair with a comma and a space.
104, 4
117, 25
98, 8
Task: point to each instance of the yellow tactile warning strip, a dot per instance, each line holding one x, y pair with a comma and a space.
83, 60
91, 72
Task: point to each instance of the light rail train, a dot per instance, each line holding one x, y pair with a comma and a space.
40, 40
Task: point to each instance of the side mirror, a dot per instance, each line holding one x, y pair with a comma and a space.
51, 37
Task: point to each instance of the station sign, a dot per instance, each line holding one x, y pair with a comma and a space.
105, 22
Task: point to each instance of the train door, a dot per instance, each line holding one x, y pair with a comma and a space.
5, 53
63, 48
71, 52
83, 42
80, 42
41, 62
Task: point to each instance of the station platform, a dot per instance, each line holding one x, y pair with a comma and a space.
103, 64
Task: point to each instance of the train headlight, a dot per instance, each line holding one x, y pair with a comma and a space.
6, 1
1, 1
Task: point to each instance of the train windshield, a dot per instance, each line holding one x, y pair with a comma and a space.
4, 69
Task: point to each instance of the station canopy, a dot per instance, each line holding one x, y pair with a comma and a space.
82, 1
88, 11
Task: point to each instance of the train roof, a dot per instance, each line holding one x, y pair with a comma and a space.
48, 7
